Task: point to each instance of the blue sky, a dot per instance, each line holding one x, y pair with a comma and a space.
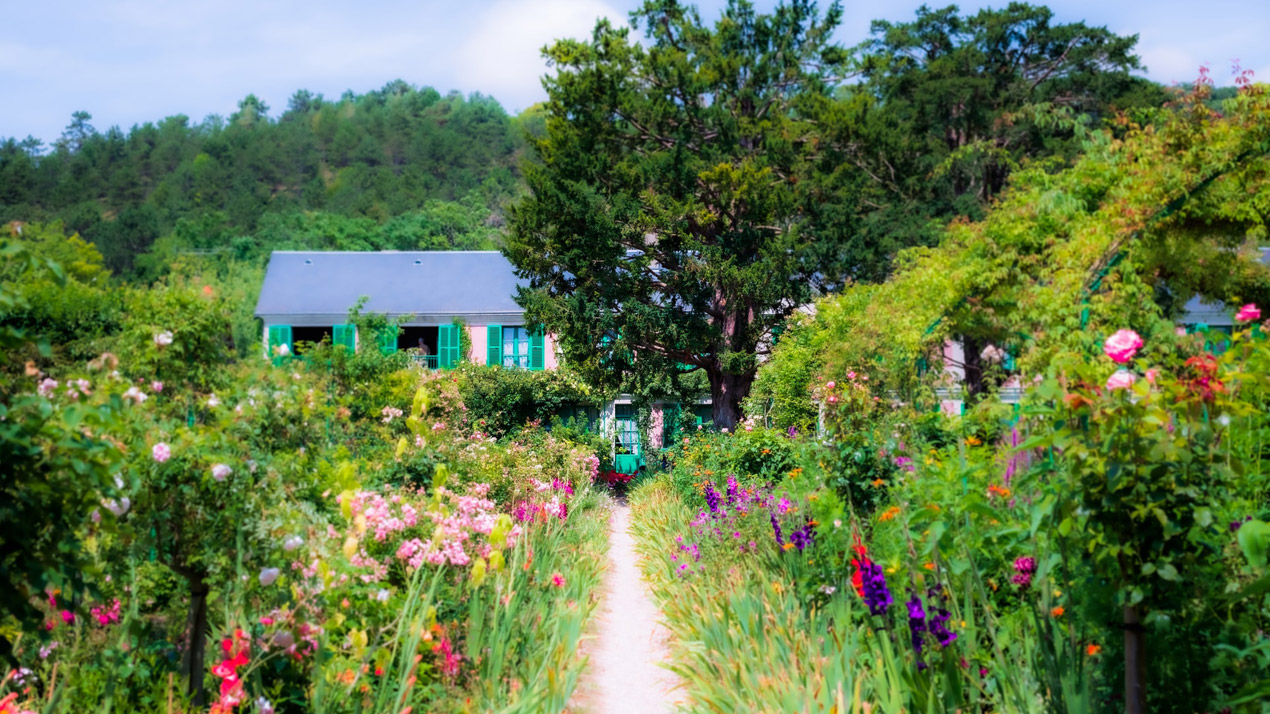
131, 61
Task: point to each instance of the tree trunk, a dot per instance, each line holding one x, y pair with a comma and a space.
727, 391
196, 646
1135, 662
973, 364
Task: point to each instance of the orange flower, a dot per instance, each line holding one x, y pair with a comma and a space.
929, 566
766, 451
879, 483
1092, 650
973, 441
787, 546
889, 513
795, 472
1058, 611
995, 490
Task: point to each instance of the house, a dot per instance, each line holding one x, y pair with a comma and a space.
307, 295
435, 295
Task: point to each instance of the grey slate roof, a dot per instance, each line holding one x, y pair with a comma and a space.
318, 287
1214, 313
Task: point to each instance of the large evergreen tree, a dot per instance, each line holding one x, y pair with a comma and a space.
666, 227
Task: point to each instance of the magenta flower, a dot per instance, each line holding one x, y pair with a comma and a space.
161, 452
157, 386
831, 384
1248, 313
1122, 346
1121, 379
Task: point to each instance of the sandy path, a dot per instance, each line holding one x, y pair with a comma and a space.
623, 674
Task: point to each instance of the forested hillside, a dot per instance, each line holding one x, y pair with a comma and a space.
400, 167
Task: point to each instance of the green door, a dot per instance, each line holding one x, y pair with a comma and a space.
493, 345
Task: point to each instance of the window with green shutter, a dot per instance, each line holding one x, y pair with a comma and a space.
493, 345
279, 335
345, 335
515, 347
537, 350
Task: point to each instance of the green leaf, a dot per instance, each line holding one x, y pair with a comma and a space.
1254, 540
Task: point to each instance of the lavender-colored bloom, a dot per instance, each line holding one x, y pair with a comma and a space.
1012, 464
733, 489
792, 432
776, 526
876, 595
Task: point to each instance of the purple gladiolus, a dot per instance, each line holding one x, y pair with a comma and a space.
712, 497
776, 526
916, 624
877, 597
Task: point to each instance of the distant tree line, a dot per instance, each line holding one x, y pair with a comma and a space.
401, 167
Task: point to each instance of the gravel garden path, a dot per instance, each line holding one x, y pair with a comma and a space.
629, 645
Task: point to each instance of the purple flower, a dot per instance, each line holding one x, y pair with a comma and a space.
905, 463
876, 595
939, 628
802, 537
1026, 565
792, 432
916, 624
712, 497
733, 489
776, 526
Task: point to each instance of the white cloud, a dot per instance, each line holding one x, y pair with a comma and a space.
503, 55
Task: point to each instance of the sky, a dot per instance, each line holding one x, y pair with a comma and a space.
132, 61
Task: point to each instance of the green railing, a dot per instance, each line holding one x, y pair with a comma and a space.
425, 361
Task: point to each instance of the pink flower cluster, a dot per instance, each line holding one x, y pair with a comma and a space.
106, 616
384, 516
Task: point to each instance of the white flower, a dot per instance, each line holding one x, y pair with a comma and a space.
213, 401
263, 706
251, 466
382, 596
1224, 420
135, 395
992, 353
292, 542
162, 339
724, 430
220, 472
283, 350
828, 589
268, 576
119, 507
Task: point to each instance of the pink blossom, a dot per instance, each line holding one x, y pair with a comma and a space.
1248, 313
830, 384
135, 395
68, 617
1121, 379
221, 471
47, 386
163, 339
1179, 331
1152, 374
1122, 346
557, 580
157, 386
161, 452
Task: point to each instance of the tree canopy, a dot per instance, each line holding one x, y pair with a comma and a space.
666, 224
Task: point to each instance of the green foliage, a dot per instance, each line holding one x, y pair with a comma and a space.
667, 225
500, 401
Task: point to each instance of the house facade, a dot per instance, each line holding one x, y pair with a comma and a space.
438, 298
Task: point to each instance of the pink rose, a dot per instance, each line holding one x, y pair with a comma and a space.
1152, 374
1248, 313
1122, 346
161, 452
830, 384
157, 386
1122, 379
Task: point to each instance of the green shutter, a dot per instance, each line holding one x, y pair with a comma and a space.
493, 344
456, 344
344, 335
776, 333
1008, 363
279, 335
388, 340
537, 350
443, 345
669, 425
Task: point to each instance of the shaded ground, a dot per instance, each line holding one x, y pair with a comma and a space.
629, 643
